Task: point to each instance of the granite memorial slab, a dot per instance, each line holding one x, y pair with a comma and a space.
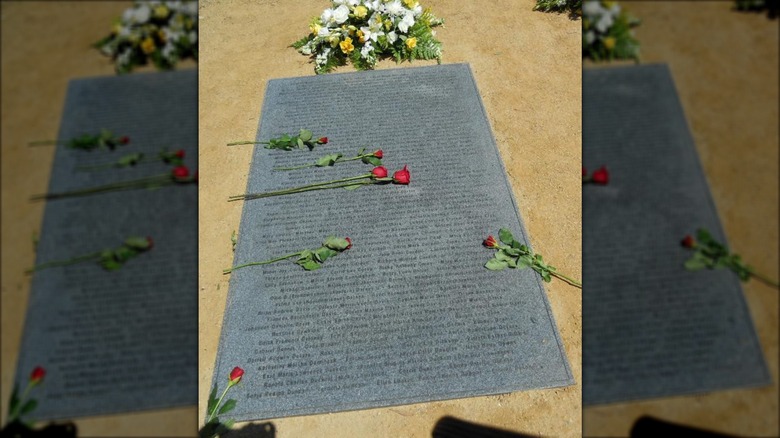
124, 340
650, 327
409, 313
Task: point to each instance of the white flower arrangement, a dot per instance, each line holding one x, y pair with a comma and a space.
365, 31
606, 31
163, 32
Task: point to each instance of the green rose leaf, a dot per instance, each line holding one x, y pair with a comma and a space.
300, 143
129, 160
305, 135
137, 242
324, 253
14, 400
374, 161
512, 251
123, 254
512, 263
525, 261
310, 265
328, 160
227, 407
360, 152
495, 264
500, 255
336, 243
110, 264
212, 400
353, 186
505, 236
28, 407
546, 276
696, 262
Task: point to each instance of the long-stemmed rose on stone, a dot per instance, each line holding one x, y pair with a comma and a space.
711, 254
104, 140
178, 175
175, 158
110, 259
18, 407
512, 254
308, 259
214, 427
289, 142
372, 158
377, 176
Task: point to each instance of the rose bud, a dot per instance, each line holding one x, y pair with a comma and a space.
490, 242
323, 140
600, 176
402, 176
124, 139
180, 172
379, 172
688, 242
379, 154
37, 375
235, 375
350, 243
179, 153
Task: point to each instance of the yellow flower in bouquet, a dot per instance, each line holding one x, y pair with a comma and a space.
411, 4
361, 36
161, 12
315, 28
361, 11
147, 45
346, 45
411, 43
609, 43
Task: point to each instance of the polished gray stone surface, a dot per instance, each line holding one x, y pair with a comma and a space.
409, 313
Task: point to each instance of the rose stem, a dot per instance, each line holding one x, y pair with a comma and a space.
567, 279
63, 262
237, 143
219, 402
261, 195
164, 178
294, 189
228, 271
762, 278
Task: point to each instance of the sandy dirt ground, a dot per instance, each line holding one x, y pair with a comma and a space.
725, 67
527, 67
45, 44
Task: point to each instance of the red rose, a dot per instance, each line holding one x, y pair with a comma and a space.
350, 243
688, 242
235, 375
402, 176
600, 176
490, 242
379, 172
124, 139
150, 242
323, 140
379, 154
179, 153
180, 172
37, 375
